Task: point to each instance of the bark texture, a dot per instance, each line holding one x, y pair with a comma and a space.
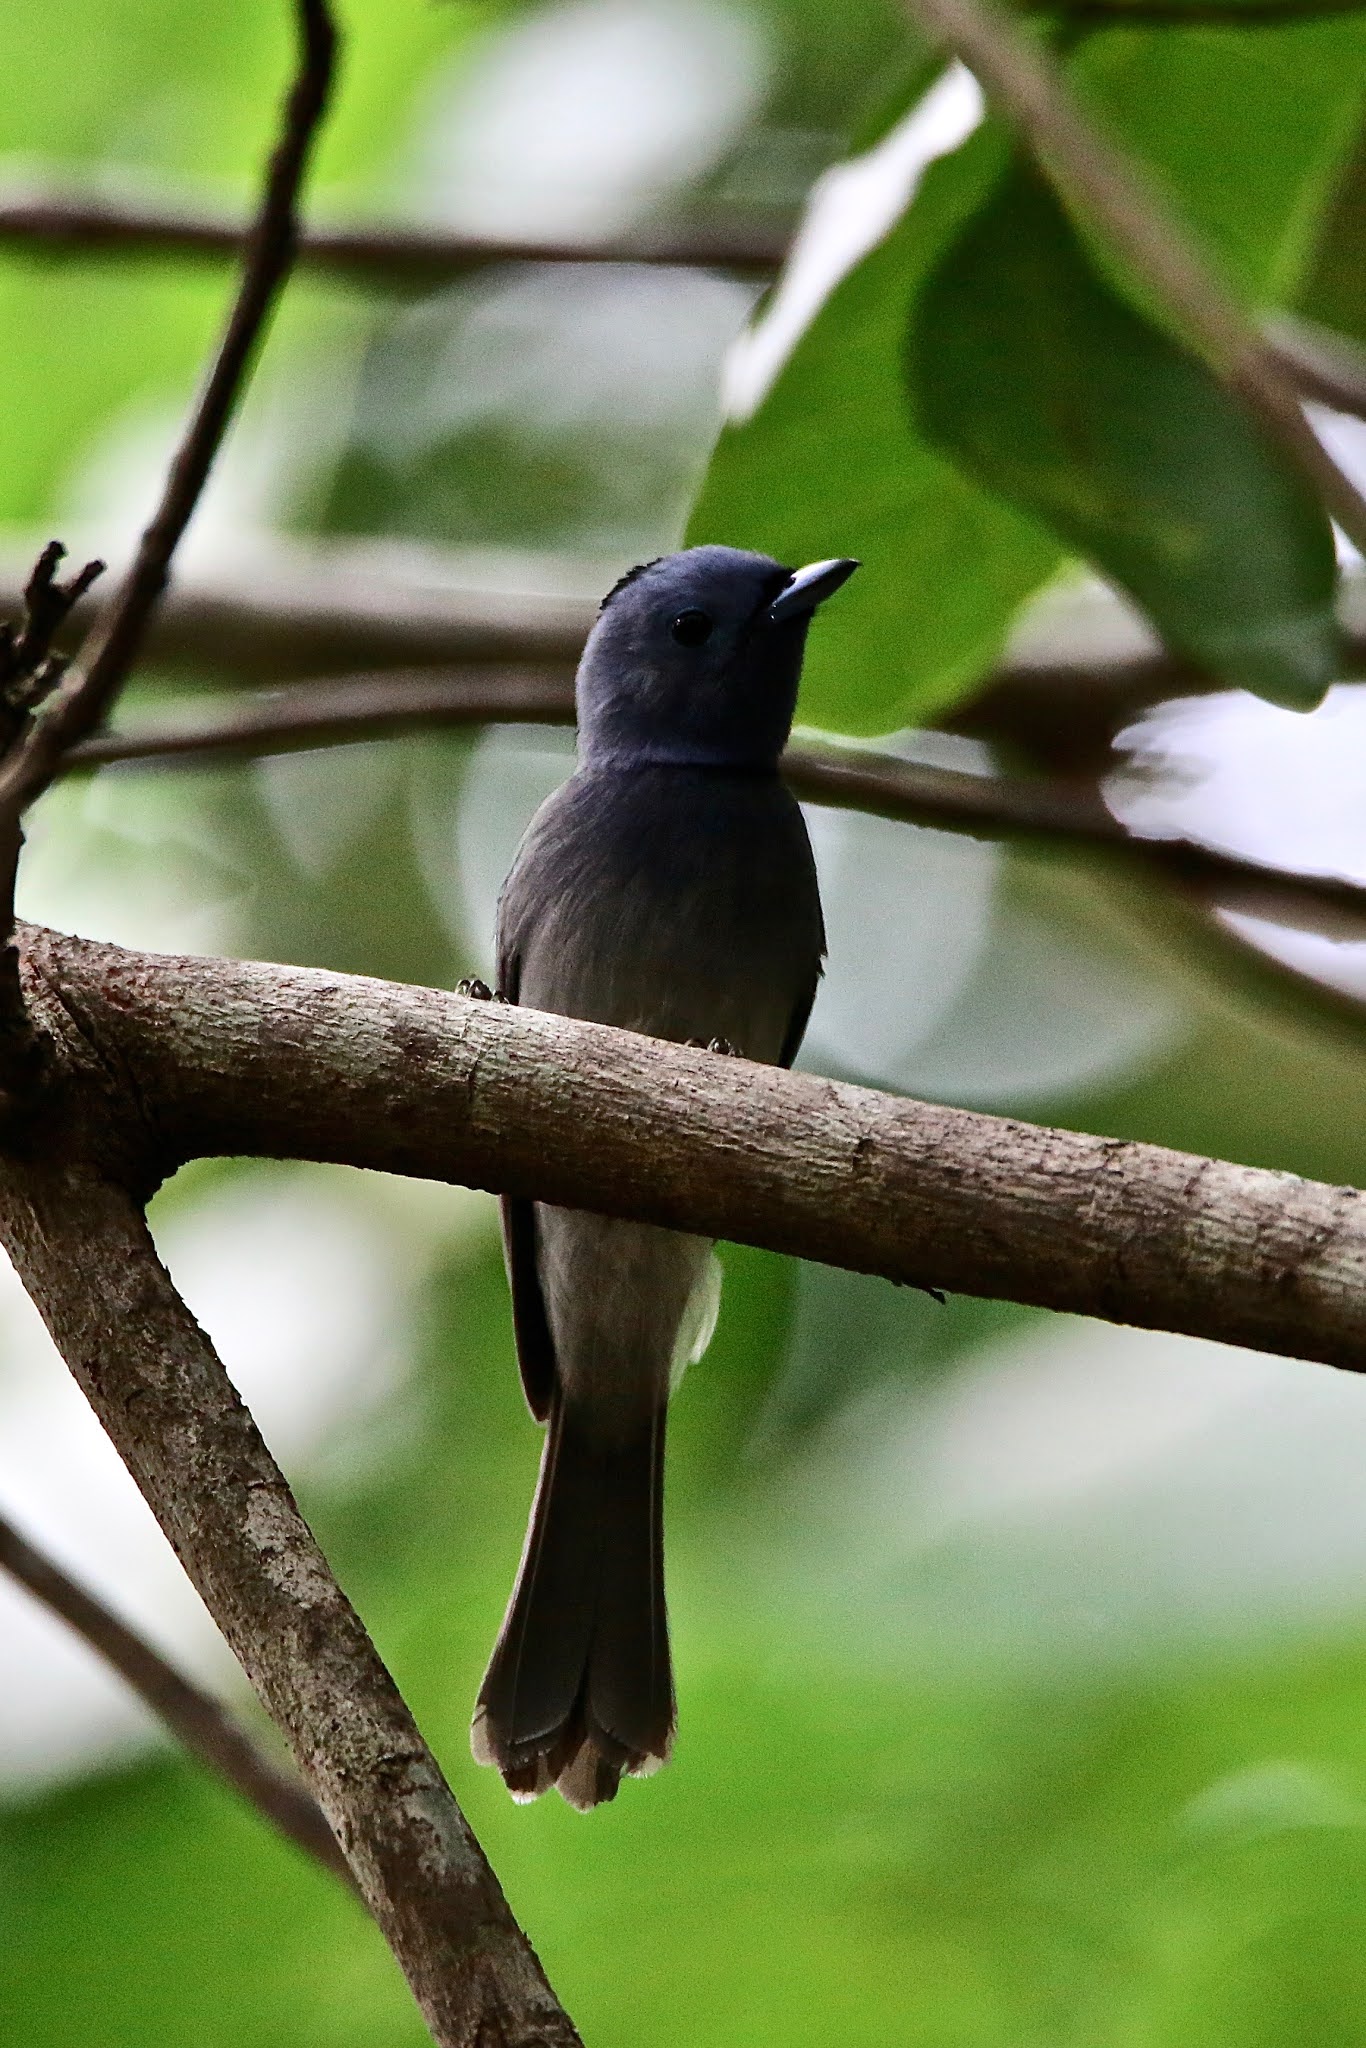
223, 1057
81, 1246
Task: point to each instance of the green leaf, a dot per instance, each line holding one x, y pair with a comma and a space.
1030, 370
1247, 131
831, 464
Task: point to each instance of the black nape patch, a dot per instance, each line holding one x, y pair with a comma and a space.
629, 577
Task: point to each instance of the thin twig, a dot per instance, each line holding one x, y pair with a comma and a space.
1327, 368
1122, 202
341, 711
95, 678
197, 1720
881, 784
60, 220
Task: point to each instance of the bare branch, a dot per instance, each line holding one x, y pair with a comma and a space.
293, 609
883, 785
83, 1251
1326, 367
1123, 203
112, 645
61, 219
342, 711
237, 1058
199, 1722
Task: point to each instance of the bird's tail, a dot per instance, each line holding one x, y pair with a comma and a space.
579, 1688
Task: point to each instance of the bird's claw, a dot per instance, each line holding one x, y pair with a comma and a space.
479, 991
722, 1045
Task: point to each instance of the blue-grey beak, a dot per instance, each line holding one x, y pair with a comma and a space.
808, 587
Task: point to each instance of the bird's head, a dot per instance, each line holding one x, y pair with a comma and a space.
695, 660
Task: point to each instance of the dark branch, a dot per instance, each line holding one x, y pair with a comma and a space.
112, 645
237, 1058
198, 1722
30, 668
61, 220
846, 778
58, 220
340, 712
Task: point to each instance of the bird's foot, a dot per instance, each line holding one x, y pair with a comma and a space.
722, 1045
478, 991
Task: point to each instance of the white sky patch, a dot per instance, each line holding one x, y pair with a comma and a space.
851, 208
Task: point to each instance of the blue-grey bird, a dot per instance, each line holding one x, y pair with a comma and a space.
668, 887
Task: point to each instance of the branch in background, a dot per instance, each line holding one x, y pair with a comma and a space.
199, 1723
59, 220
82, 1249
239, 1058
1327, 368
292, 609
114, 642
1119, 200
289, 610
882, 785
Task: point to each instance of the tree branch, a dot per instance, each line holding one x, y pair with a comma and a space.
1132, 216
293, 611
87, 691
198, 1721
58, 218
849, 778
82, 1249
237, 1058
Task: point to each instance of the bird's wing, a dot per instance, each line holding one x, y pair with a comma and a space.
530, 1325
535, 1346
797, 1023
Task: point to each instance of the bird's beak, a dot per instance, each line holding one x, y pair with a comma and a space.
808, 587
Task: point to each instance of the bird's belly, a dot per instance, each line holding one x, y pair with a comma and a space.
617, 1296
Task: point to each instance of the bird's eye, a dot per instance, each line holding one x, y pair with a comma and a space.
690, 629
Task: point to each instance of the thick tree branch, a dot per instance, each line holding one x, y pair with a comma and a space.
218, 1057
113, 643
846, 778
198, 1721
1119, 199
82, 1249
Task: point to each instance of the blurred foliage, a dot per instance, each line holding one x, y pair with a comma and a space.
900, 1811
1028, 369
1248, 132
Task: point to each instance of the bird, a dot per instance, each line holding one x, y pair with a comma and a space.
668, 887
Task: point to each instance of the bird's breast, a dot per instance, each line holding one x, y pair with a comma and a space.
679, 903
